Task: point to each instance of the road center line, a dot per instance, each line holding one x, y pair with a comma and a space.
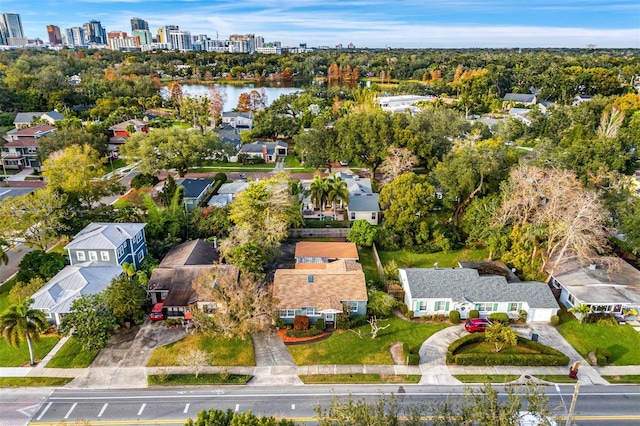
237, 407
186, 408
70, 410
104, 407
142, 408
44, 411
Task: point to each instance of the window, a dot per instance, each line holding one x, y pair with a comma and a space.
140, 256
374, 215
513, 307
441, 306
93, 255
353, 306
353, 215
80, 256
287, 313
422, 306
104, 256
309, 311
120, 251
138, 237
484, 307
571, 299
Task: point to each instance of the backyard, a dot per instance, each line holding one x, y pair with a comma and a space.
622, 341
344, 347
450, 259
223, 352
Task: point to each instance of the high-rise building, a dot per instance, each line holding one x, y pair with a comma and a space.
75, 36
163, 34
55, 38
180, 40
119, 40
144, 35
11, 28
242, 43
138, 24
95, 33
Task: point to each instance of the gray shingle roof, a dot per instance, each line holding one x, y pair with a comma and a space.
193, 188
99, 235
27, 117
463, 284
364, 203
519, 97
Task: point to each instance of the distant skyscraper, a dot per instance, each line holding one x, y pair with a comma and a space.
95, 33
144, 35
55, 38
75, 36
10, 27
138, 24
163, 34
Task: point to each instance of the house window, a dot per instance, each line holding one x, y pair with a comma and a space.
287, 313
80, 256
571, 299
484, 307
120, 251
309, 311
513, 307
209, 308
373, 215
140, 256
138, 237
422, 306
104, 256
93, 255
353, 215
440, 306
353, 306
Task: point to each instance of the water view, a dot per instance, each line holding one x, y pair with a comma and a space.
232, 92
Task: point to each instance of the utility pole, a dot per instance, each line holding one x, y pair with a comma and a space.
576, 389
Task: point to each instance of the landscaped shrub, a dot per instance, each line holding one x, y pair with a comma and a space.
414, 359
301, 322
304, 333
220, 176
601, 318
144, 179
554, 320
454, 317
602, 356
410, 315
439, 317
500, 317
474, 313
320, 324
280, 323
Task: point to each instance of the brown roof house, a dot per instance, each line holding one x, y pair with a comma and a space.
171, 282
316, 255
320, 293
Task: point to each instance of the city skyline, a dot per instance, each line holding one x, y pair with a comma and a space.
370, 23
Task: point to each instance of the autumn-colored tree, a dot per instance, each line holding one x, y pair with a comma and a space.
216, 104
399, 161
252, 101
175, 94
334, 72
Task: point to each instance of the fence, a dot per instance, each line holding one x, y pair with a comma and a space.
319, 233
392, 288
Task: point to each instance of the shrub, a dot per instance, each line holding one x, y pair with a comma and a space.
474, 313
454, 317
439, 317
414, 359
280, 323
144, 179
522, 316
304, 333
463, 341
554, 320
220, 176
601, 318
500, 317
301, 322
380, 303
404, 309
602, 356
410, 315
320, 324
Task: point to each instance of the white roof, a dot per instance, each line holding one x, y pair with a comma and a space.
99, 235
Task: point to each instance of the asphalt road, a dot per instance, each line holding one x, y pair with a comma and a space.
619, 405
15, 255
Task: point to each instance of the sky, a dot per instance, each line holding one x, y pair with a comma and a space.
365, 23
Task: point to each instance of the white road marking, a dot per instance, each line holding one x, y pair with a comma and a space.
237, 407
142, 408
293, 406
44, 411
104, 407
186, 408
27, 410
73, 407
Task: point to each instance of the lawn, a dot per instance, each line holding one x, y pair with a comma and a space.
322, 379
346, 348
292, 164
368, 265
23, 382
203, 379
488, 347
406, 259
556, 378
4, 293
16, 357
486, 378
622, 341
71, 355
630, 379
223, 352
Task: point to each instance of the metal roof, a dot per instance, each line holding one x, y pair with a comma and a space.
100, 235
364, 203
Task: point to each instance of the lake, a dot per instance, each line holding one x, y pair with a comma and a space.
232, 92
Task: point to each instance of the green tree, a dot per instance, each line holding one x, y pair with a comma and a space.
125, 297
478, 224
317, 147
196, 110
362, 233
318, 191
209, 223
582, 311
40, 264
91, 321
21, 324
214, 417
65, 137
380, 304
501, 336
174, 148
338, 191
22, 291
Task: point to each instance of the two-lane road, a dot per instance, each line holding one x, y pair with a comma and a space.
619, 405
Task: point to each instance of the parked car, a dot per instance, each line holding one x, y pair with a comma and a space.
477, 325
157, 313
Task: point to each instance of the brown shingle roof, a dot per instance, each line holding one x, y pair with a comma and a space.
327, 250
196, 252
22, 143
340, 281
32, 131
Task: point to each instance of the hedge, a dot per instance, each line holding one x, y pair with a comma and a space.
463, 341
304, 333
501, 317
320, 324
454, 317
602, 356
474, 313
414, 359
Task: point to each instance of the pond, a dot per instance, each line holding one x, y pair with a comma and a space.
232, 92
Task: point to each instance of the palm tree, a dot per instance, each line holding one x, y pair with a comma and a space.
582, 311
319, 188
20, 324
338, 191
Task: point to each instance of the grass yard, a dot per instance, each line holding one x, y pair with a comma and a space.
368, 265
630, 379
71, 355
224, 352
346, 348
23, 382
556, 378
16, 357
622, 341
486, 378
292, 164
116, 164
488, 347
323, 379
4, 294
203, 379
406, 259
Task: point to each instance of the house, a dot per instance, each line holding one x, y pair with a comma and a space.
119, 133
608, 285
319, 254
521, 114
238, 119
402, 103
171, 282
578, 99
112, 243
195, 191
268, 151
226, 193
364, 207
21, 146
441, 290
320, 293
521, 98
26, 119
80, 279
230, 135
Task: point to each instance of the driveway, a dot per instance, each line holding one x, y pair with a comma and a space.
274, 364
433, 354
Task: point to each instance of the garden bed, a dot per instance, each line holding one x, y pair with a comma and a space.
290, 340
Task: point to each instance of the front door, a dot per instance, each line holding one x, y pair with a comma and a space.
329, 320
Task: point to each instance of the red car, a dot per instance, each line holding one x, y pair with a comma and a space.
477, 324
156, 313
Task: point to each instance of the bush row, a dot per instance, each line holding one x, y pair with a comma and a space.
511, 359
304, 333
501, 317
463, 341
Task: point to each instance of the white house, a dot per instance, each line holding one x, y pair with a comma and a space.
402, 103
238, 119
364, 207
440, 290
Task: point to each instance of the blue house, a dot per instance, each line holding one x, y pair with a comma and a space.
114, 243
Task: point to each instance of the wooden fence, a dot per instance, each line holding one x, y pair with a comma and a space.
319, 233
